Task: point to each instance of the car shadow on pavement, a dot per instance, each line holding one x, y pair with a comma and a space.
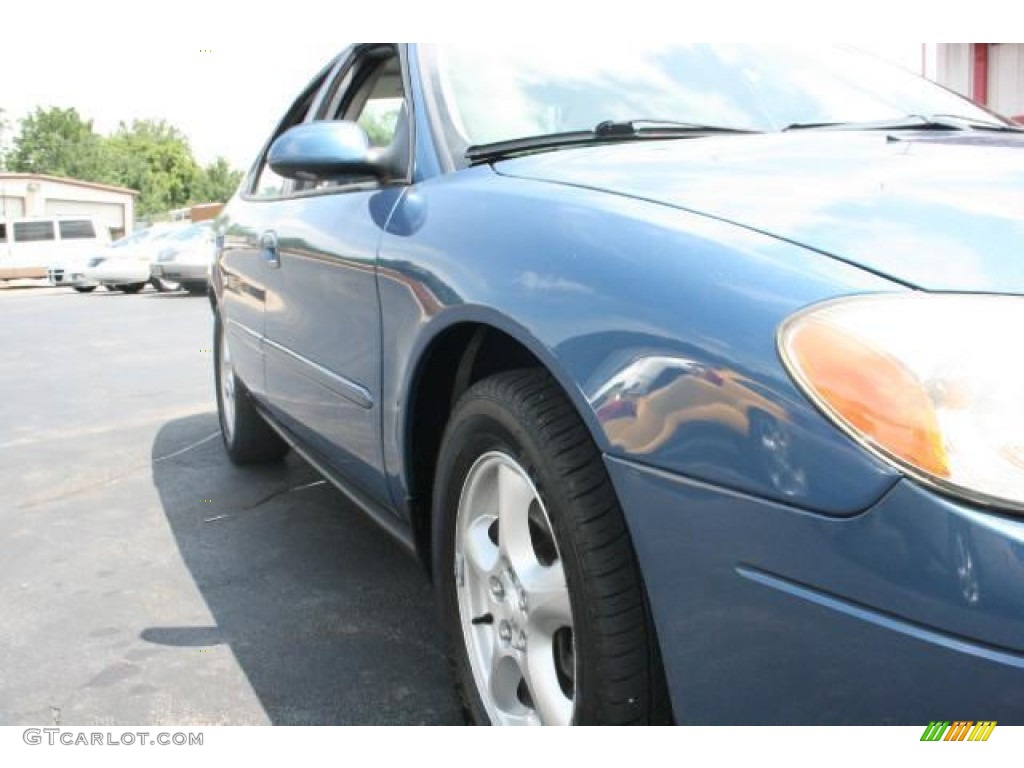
329, 619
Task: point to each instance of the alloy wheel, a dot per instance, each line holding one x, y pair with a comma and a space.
227, 385
514, 605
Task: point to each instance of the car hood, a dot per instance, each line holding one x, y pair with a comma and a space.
936, 211
193, 253
140, 252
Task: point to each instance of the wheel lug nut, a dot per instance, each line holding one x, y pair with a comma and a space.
497, 589
520, 644
505, 632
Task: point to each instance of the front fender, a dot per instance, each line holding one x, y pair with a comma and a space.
658, 323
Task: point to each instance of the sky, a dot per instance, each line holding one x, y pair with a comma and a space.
227, 100
224, 73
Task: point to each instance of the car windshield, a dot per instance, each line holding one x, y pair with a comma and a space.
498, 93
142, 235
191, 232
134, 237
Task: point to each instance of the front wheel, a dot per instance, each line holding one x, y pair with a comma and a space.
84, 288
247, 437
539, 586
132, 287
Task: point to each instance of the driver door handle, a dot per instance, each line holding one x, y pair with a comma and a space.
268, 249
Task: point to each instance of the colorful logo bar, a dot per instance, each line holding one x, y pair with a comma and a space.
961, 730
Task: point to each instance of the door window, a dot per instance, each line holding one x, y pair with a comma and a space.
267, 183
382, 105
369, 89
370, 92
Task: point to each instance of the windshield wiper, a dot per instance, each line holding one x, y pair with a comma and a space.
981, 125
667, 127
604, 132
910, 123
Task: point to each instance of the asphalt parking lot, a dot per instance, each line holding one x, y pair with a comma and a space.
146, 580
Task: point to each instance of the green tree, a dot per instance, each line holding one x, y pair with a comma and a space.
379, 120
59, 142
154, 157
217, 182
150, 156
4, 127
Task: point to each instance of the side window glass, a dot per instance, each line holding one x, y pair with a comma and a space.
76, 230
369, 91
382, 106
269, 184
379, 119
33, 231
372, 94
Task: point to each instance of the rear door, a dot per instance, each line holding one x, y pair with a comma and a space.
322, 333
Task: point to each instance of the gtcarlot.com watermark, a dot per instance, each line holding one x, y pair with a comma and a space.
75, 738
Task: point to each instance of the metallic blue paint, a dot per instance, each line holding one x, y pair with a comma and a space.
909, 612
321, 149
322, 306
592, 283
932, 211
792, 576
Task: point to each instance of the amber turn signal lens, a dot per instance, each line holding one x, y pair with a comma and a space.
871, 392
930, 383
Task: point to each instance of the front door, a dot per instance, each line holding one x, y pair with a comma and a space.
249, 270
322, 324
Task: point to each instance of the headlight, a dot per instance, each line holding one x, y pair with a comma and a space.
931, 382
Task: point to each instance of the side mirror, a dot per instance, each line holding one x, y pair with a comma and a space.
326, 150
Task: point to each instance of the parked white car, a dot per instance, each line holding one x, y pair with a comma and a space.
40, 247
69, 271
125, 266
186, 258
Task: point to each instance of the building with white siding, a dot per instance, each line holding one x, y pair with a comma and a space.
33, 195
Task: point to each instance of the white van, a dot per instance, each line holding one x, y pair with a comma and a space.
29, 248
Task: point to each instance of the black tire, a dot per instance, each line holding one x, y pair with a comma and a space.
164, 286
132, 287
248, 439
195, 289
84, 288
525, 415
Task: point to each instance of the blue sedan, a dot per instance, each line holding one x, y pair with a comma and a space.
692, 373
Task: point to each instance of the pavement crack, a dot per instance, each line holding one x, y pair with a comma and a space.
187, 448
269, 497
